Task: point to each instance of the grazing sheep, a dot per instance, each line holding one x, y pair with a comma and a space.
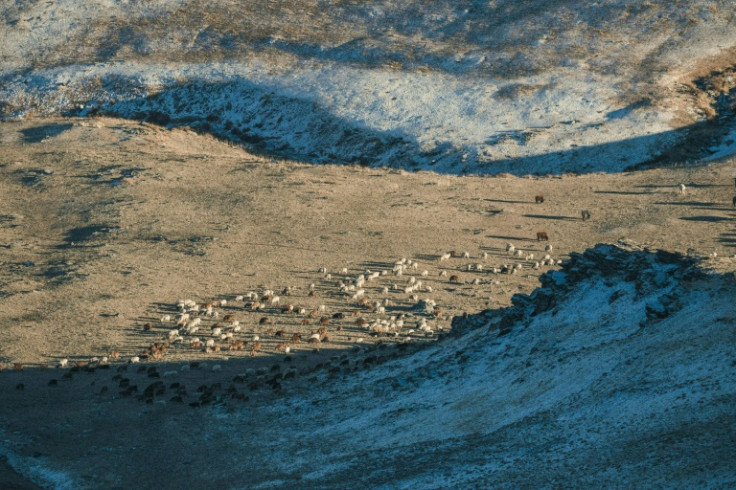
542, 235
682, 188
539, 199
283, 346
510, 248
454, 278
182, 319
585, 214
548, 248
445, 256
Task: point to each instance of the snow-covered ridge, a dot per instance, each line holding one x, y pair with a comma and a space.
460, 87
617, 371
655, 276
549, 123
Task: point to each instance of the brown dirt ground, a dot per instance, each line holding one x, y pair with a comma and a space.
105, 224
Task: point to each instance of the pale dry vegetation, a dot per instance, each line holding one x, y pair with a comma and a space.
106, 224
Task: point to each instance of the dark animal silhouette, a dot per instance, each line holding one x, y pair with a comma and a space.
542, 235
539, 198
585, 214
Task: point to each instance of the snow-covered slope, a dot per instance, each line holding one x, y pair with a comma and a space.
618, 371
461, 87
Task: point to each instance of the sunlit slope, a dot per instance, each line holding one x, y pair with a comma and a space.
479, 87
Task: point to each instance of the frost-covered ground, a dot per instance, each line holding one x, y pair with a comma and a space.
460, 87
617, 372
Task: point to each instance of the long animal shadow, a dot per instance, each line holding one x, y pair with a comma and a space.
623, 193
706, 219
544, 216
728, 239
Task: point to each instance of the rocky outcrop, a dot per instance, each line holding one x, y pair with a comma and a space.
653, 273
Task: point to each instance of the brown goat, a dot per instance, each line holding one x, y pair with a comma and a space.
282, 346
539, 199
256, 347
454, 278
237, 345
542, 235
